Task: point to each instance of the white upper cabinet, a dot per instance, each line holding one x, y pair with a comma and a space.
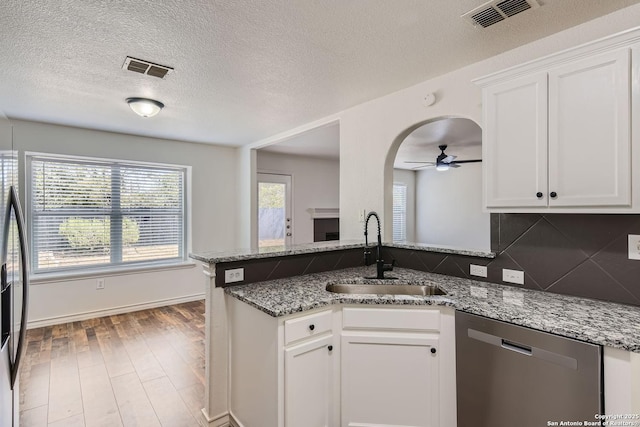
557, 132
515, 122
589, 132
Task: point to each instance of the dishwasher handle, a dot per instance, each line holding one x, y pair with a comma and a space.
518, 348
539, 353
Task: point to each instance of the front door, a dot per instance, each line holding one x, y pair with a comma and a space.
275, 225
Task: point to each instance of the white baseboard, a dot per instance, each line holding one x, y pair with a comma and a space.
221, 420
57, 320
233, 422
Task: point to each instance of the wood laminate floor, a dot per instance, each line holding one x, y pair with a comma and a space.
136, 369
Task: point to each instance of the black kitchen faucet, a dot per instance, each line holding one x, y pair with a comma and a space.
381, 267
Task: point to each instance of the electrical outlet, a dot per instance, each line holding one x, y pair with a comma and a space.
362, 215
100, 284
234, 275
513, 276
478, 270
634, 246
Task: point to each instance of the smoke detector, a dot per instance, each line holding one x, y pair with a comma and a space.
495, 11
145, 67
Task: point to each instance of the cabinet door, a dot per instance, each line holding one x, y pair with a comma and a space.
589, 132
514, 142
389, 380
308, 388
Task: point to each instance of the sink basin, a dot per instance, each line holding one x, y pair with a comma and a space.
422, 290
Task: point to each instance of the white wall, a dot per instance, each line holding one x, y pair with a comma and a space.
384, 122
315, 184
213, 223
449, 208
370, 133
408, 178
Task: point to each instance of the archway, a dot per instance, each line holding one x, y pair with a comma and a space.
436, 202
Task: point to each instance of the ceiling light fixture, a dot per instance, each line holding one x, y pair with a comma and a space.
145, 107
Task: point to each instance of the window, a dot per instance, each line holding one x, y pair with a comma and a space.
399, 212
87, 213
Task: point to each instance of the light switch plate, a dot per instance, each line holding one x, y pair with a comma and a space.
234, 275
513, 276
634, 246
478, 270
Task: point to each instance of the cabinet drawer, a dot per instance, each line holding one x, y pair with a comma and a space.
377, 318
307, 326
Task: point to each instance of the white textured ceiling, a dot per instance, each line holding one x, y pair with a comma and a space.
244, 69
463, 138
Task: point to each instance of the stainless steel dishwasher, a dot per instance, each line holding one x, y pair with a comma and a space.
510, 376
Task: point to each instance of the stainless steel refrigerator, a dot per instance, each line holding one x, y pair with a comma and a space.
14, 285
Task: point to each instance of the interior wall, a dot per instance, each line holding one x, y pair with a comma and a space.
408, 178
315, 184
212, 221
383, 122
449, 208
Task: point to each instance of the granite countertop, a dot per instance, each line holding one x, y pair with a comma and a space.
597, 322
213, 257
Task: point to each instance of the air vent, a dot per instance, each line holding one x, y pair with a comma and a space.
145, 67
498, 10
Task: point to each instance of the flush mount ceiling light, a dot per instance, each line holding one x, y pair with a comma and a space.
145, 107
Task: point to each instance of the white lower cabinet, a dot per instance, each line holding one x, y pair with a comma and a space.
397, 367
389, 379
308, 385
344, 366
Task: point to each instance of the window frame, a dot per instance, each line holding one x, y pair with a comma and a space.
107, 268
393, 231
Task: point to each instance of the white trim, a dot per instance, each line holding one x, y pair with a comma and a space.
43, 278
326, 121
220, 420
605, 44
233, 421
324, 213
57, 320
104, 160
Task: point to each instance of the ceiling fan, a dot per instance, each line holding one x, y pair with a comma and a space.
444, 161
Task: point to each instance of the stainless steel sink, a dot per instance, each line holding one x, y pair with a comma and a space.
423, 290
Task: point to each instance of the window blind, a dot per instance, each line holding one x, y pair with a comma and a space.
86, 213
399, 212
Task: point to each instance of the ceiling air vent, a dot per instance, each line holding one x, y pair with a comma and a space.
498, 10
145, 67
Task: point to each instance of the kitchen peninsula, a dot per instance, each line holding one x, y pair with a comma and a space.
284, 294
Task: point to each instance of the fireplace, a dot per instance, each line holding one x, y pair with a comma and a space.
326, 229
326, 224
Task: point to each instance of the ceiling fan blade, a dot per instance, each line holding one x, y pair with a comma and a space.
422, 167
448, 159
468, 161
426, 163
454, 165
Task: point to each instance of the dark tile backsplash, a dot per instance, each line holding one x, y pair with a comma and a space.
575, 254
257, 270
